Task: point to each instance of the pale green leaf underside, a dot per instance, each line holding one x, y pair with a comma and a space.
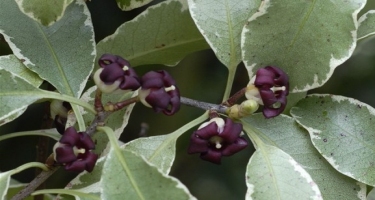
15, 95
11, 64
158, 150
163, 34
342, 129
77, 194
307, 39
4, 183
221, 23
45, 12
366, 25
52, 133
273, 174
131, 4
62, 54
296, 142
128, 175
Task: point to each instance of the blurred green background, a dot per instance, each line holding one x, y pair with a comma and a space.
199, 76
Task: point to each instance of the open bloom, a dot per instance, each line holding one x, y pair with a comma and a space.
269, 88
217, 138
74, 151
115, 74
159, 91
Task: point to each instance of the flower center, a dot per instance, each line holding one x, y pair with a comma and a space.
275, 88
170, 88
125, 68
216, 140
78, 151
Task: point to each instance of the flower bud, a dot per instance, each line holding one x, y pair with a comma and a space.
159, 91
115, 74
246, 108
217, 138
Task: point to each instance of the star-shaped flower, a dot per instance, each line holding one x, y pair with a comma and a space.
217, 138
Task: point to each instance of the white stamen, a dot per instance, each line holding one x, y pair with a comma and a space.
274, 89
125, 68
78, 151
218, 145
172, 87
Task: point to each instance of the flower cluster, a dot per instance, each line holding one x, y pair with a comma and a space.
74, 151
158, 89
217, 138
269, 88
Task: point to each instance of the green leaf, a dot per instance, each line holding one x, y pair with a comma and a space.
89, 182
77, 194
15, 66
371, 195
62, 54
366, 26
342, 130
4, 183
284, 133
131, 4
307, 39
221, 23
45, 12
273, 174
161, 150
5, 176
16, 94
126, 174
52, 133
162, 34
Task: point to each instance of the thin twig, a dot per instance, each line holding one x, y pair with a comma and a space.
38, 180
203, 105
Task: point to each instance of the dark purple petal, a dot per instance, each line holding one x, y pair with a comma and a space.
158, 99
130, 83
85, 141
270, 112
112, 73
197, 145
70, 137
239, 144
152, 79
65, 154
174, 103
212, 156
86, 162
208, 131
231, 131
106, 59
268, 97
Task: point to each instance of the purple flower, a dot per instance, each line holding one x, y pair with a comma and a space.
159, 91
74, 151
217, 138
272, 86
115, 74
